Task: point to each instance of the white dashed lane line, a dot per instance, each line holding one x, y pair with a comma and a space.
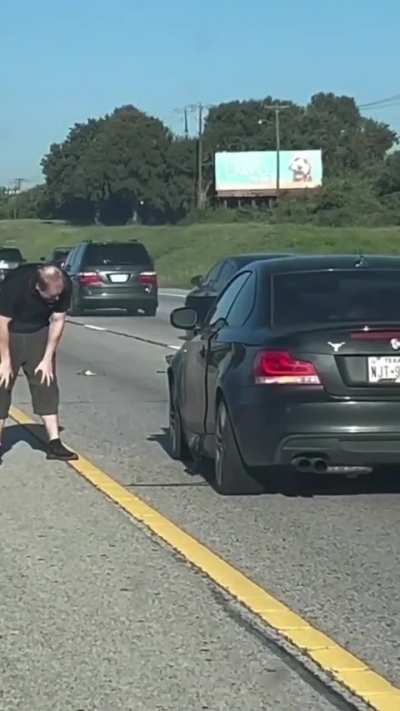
134, 337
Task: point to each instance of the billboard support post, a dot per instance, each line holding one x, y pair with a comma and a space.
278, 153
277, 110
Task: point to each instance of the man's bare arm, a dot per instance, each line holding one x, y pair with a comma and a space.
4, 340
56, 329
6, 373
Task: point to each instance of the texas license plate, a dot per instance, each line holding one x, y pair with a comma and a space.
384, 369
119, 278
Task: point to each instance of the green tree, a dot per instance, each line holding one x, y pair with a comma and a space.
116, 166
388, 182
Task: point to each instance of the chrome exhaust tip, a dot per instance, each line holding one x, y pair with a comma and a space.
319, 466
302, 464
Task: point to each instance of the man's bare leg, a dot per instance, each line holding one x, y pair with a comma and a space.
2, 425
56, 449
51, 426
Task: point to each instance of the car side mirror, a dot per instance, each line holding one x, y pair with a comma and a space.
184, 319
196, 280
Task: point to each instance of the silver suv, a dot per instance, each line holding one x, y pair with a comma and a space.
112, 275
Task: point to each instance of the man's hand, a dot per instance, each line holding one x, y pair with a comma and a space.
6, 374
45, 367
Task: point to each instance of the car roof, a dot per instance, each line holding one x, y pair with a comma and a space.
112, 242
328, 261
259, 255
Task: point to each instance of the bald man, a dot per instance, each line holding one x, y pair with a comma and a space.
33, 305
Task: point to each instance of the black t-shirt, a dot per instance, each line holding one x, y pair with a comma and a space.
21, 302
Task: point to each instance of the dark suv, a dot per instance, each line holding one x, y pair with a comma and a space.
59, 256
112, 275
10, 258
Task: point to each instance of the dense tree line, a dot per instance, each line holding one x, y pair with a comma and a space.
128, 166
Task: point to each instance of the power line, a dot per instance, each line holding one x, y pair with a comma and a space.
381, 102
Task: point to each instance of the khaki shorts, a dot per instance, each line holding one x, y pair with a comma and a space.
27, 350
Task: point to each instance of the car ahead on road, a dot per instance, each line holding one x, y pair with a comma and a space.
10, 258
112, 275
297, 365
206, 288
58, 256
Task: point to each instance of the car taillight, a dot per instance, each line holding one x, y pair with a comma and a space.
375, 335
280, 368
148, 279
89, 278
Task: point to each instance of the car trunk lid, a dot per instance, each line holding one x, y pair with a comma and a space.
355, 361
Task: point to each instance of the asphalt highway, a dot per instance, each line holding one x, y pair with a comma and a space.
87, 595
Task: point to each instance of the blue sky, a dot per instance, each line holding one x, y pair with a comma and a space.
63, 61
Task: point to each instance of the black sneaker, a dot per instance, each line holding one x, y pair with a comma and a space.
56, 450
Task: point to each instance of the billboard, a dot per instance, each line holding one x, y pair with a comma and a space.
255, 171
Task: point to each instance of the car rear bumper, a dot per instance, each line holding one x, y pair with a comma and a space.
270, 432
341, 450
125, 300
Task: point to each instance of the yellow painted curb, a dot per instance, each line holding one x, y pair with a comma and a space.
341, 665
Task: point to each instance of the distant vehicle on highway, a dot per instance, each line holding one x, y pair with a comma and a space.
10, 258
59, 256
297, 365
206, 288
112, 275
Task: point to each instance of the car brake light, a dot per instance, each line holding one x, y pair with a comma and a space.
89, 278
148, 279
280, 368
374, 335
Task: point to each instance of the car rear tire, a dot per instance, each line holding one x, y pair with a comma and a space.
150, 311
230, 473
76, 309
177, 444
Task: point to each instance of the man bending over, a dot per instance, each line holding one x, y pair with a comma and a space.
33, 305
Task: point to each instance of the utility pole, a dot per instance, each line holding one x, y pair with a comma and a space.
13, 192
199, 109
200, 159
277, 110
184, 111
18, 184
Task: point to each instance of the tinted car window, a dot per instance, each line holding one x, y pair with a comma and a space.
227, 299
228, 270
72, 263
243, 305
99, 255
343, 295
212, 275
60, 253
10, 255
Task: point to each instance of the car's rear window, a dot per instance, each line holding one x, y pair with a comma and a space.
11, 255
329, 297
117, 254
